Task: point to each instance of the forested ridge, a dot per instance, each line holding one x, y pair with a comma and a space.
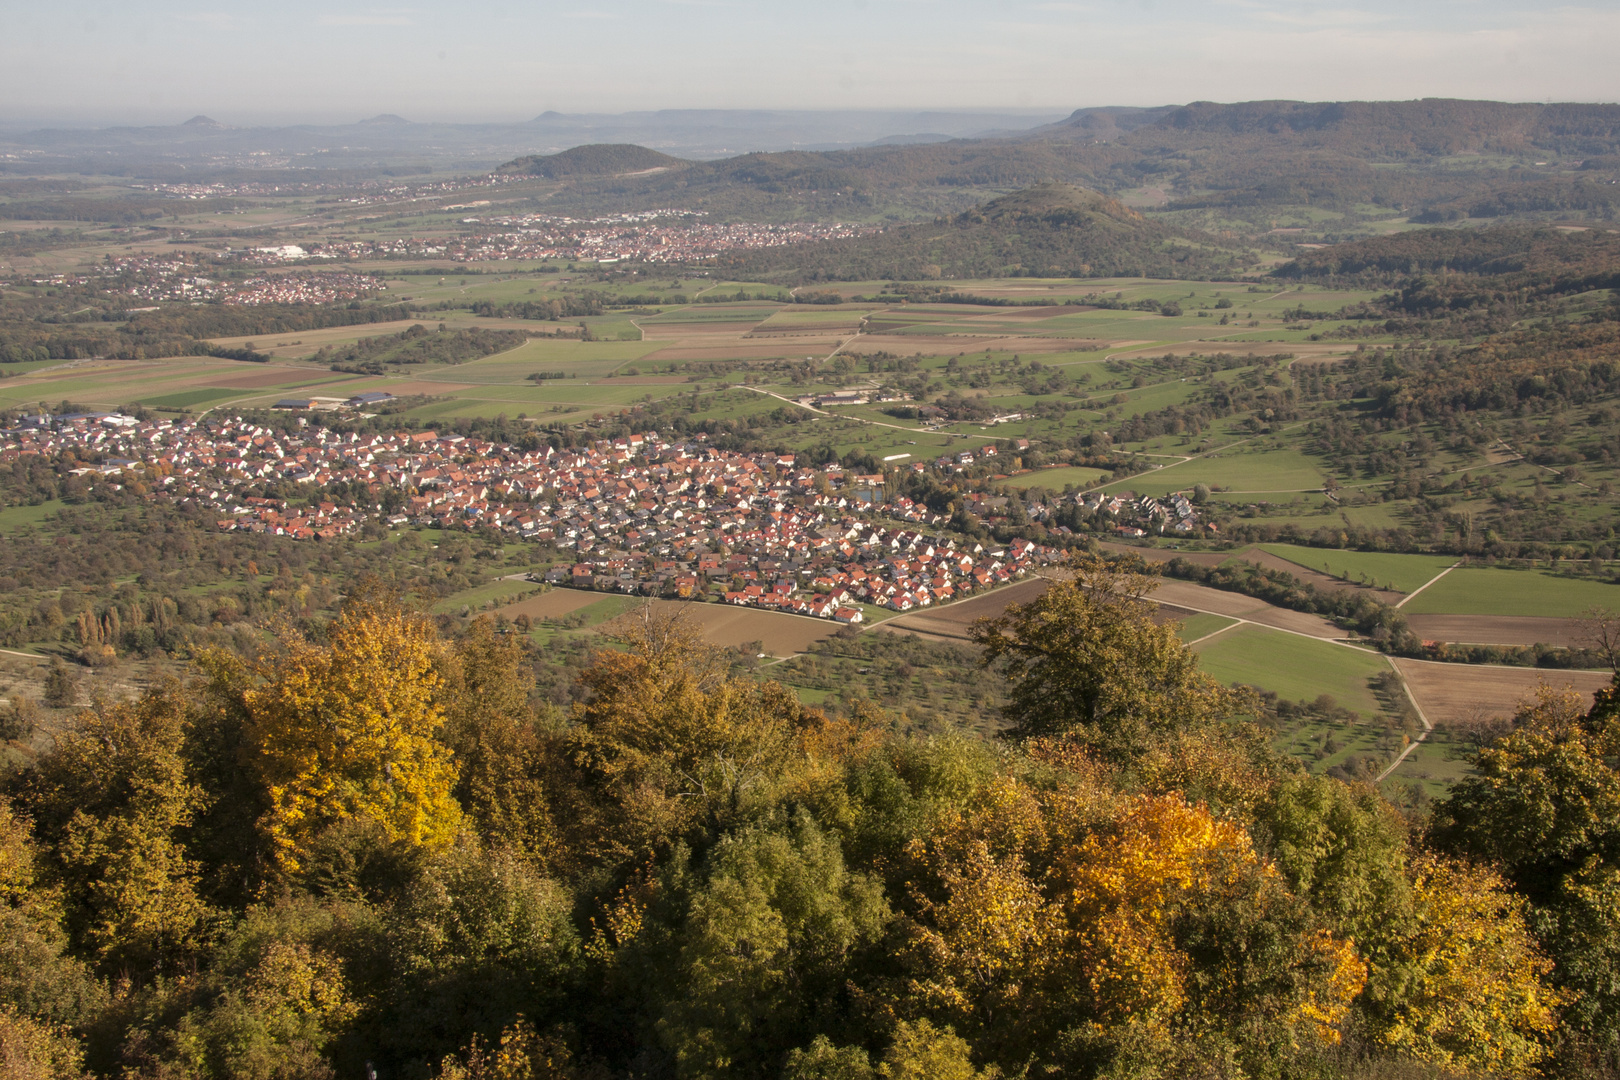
360, 846
76, 324
1047, 230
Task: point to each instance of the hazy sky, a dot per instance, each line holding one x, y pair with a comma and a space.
288, 60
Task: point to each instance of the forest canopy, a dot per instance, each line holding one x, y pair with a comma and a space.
364, 845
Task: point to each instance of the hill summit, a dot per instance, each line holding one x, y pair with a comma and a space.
603, 159
1056, 204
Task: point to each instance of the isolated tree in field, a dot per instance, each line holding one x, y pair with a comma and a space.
349, 730
1086, 659
60, 685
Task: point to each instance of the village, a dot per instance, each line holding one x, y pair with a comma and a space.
652, 236
184, 276
638, 514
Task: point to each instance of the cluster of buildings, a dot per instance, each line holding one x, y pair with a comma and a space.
1134, 516
154, 276
303, 287
899, 570
660, 235
675, 240
171, 276
369, 191
639, 514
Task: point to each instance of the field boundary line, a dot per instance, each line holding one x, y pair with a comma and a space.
1224, 629
1427, 726
1426, 584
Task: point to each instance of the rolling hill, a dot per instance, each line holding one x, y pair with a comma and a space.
610, 159
1050, 229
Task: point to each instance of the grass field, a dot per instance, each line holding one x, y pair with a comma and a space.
1403, 573
17, 517
187, 398
1056, 479
1275, 472
1479, 590
496, 592
1200, 625
1294, 667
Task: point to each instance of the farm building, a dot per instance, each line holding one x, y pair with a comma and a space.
295, 403
370, 397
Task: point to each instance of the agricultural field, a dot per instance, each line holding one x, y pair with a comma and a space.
1294, 667
1480, 590
775, 633
1196, 627
1397, 572
1056, 479
1452, 694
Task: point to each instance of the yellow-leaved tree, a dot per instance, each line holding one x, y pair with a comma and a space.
1188, 941
347, 731
1473, 978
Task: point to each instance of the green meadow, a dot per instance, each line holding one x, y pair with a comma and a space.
1403, 573
1294, 667
1480, 590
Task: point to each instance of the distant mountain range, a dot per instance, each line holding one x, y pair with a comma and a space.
388, 140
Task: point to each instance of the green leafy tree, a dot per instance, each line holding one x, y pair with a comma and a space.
502, 753
111, 803
1086, 659
758, 952
36, 978
60, 686
669, 740
477, 940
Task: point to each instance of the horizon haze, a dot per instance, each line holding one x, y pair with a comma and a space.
499, 62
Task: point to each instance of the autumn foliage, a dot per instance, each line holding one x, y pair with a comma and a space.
368, 847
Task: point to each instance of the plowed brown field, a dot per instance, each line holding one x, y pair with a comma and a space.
1499, 630
729, 626
1448, 693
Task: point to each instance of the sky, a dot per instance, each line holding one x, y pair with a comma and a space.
282, 61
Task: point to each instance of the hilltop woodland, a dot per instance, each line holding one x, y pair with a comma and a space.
366, 847
1049, 229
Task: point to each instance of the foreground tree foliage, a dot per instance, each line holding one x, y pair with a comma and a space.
369, 848
1086, 660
